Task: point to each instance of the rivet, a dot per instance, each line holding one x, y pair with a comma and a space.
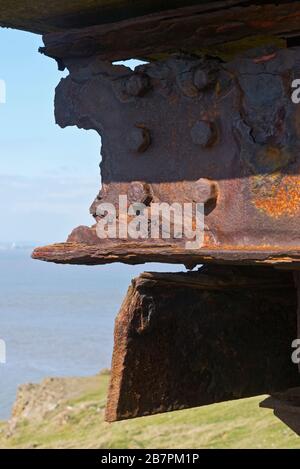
203, 133
205, 190
137, 85
202, 78
140, 192
140, 138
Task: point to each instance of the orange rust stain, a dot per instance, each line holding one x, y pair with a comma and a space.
264, 58
284, 201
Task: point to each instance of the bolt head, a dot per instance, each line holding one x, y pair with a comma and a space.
202, 133
205, 190
137, 85
139, 139
203, 78
140, 192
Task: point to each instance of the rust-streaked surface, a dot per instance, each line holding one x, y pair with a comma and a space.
207, 27
41, 16
192, 129
139, 253
189, 127
185, 340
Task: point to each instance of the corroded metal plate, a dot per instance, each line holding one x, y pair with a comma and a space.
220, 28
185, 340
190, 129
41, 16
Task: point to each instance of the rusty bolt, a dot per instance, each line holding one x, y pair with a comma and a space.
203, 133
202, 78
137, 85
205, 190
139, 138
140, 192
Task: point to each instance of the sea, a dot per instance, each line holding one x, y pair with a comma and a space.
57, 320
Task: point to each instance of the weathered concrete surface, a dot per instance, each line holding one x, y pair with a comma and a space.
185, 340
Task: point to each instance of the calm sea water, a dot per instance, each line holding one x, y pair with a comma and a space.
57, 320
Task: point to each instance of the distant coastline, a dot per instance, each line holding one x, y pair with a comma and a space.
69, 413
56, 320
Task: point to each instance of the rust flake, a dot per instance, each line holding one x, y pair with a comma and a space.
282, 200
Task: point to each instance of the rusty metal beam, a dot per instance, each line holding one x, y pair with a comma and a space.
188, 29
185, 340
40, 16
189, 127
139, 253
192, 129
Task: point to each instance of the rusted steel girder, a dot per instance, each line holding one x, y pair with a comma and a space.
41, 17
115, 27
190, 339
189, 127
215, 27
192, 129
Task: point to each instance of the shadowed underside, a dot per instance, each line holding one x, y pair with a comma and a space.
41, 16
190, 339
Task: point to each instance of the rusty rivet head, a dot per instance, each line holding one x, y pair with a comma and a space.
203, 133
140, 192
137, 85
202, 78
139, 138
205, 190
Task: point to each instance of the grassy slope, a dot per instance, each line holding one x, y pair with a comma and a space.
78, 422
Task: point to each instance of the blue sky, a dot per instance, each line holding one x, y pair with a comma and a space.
48, 176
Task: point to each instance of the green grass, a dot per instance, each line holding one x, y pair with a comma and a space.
78, 422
